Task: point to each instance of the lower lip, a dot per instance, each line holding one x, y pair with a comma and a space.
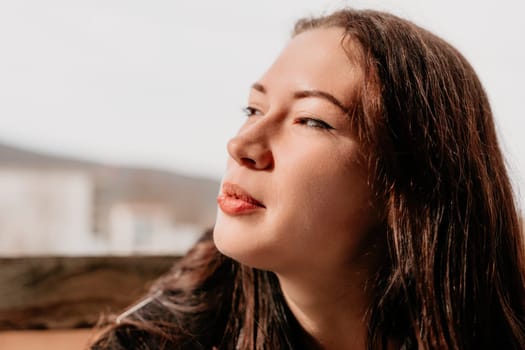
235, 206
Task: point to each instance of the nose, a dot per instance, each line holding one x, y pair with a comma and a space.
250, 148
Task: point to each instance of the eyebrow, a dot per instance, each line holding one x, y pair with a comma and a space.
309, 93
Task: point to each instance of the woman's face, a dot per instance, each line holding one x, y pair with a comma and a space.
295, 191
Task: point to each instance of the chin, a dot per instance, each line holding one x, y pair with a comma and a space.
240, 246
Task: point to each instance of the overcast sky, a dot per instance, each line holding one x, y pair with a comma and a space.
161, 83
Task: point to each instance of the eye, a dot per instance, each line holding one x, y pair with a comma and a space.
251, 111
314, 123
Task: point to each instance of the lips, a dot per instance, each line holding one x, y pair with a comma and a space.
234, 200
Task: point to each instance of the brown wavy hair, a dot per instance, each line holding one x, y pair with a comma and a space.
454, 274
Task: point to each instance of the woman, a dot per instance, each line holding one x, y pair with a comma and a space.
365, 206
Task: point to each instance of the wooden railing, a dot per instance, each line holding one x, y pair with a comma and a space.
72, 292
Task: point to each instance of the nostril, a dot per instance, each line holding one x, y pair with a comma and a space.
248, 161
251, 153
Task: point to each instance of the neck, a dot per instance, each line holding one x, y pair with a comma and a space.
331, 308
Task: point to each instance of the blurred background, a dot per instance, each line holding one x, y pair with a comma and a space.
114, 115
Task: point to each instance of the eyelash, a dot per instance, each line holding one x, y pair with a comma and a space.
251, 111
318, 123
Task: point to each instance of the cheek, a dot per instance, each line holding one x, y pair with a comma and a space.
330, 208
329, 181
334, 200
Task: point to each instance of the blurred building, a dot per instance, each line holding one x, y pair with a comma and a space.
55, 205
39, 210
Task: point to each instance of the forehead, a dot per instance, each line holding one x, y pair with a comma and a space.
316, 59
